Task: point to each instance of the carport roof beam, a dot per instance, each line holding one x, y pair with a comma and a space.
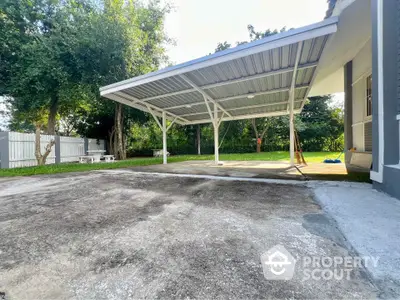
205, 95
134, 100
249, 116
239, 108
294, 75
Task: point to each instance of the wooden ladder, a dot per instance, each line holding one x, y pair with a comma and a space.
298, 151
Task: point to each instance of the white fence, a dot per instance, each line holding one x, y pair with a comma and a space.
22, 149
18, 149
71, 148
94, 144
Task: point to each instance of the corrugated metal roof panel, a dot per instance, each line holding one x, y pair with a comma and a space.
275, 54
176, 100
201, 117
259, 110
190, 110
304, 76
159, 87
253, 86
261, 99
259, 63
297, 105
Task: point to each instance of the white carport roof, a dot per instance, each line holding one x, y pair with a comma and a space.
248, 81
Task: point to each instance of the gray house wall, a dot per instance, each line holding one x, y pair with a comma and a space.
348, 108
391, 68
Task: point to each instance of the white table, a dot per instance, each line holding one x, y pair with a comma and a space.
96, 154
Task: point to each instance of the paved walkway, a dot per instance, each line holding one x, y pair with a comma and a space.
370, 220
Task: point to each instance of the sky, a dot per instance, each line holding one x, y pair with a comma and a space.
198, 25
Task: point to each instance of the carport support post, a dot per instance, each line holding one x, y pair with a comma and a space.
216, 134
291, 126
164, 137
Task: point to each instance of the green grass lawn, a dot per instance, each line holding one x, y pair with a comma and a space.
268, 156
76, 167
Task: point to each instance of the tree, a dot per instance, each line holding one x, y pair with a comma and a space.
260, 127
56, 54
41, 66
331, 6
259, 133
222, 46
125, 41
323, 125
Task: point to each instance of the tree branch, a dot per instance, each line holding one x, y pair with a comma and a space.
253, 122
264, 132
48, 149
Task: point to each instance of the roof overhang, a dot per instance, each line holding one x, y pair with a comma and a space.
248, 81
353, 34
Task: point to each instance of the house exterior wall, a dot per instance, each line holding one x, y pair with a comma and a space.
389, 133
348, 108
362, 68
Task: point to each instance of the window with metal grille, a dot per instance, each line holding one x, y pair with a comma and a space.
369, 95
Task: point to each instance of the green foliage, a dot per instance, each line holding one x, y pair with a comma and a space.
320, 128
323, 126
331, 6
56, 54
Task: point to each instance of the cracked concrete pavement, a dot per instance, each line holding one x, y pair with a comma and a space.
118, 234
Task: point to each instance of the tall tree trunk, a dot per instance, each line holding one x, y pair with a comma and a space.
198, 140
253, 123
259, 136
112, 134
51, 122
41, 159
38, 153
118, 138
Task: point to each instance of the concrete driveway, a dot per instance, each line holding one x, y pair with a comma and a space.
250, 169
125, 235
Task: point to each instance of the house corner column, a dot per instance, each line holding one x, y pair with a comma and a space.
348, 111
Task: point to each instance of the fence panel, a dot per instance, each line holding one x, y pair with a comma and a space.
22, 149
94, 144
18, 149
71, 148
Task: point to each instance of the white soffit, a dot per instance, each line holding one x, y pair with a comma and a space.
248, 81
353, 33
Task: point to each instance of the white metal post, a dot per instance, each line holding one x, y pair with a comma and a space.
291, 126
164, 132
216, 134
